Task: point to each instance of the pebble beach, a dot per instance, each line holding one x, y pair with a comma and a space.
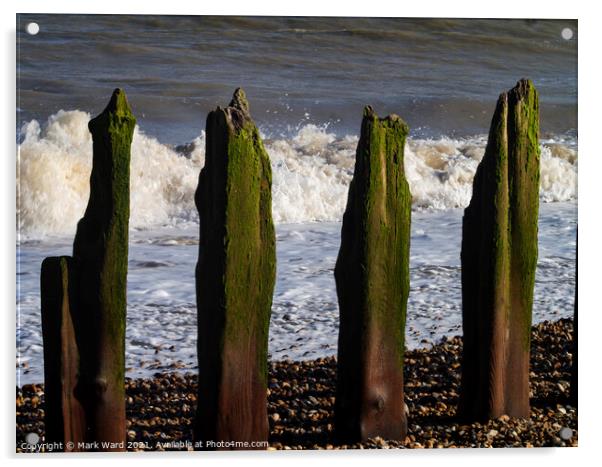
301, 395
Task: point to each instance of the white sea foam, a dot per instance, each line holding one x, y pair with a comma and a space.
311, 175
54, 172
161, 329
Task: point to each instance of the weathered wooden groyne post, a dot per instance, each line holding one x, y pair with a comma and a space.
235, 278
64, 419
88, 294
372, 279
499, 257
101, 251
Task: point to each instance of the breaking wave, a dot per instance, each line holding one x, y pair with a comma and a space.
311, 175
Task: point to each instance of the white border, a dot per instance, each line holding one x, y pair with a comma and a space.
590, 177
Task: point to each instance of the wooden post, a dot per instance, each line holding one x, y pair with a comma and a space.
101, 250
499, 257
96, 297
235, 278
63, 414
372, 279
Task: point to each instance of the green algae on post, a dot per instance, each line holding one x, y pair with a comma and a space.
100, 250
499, 257
235, 277
372, 279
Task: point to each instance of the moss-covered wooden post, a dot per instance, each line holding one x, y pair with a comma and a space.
235, 277
372, 279
499, 257
101, 251
84, 298
63, 414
